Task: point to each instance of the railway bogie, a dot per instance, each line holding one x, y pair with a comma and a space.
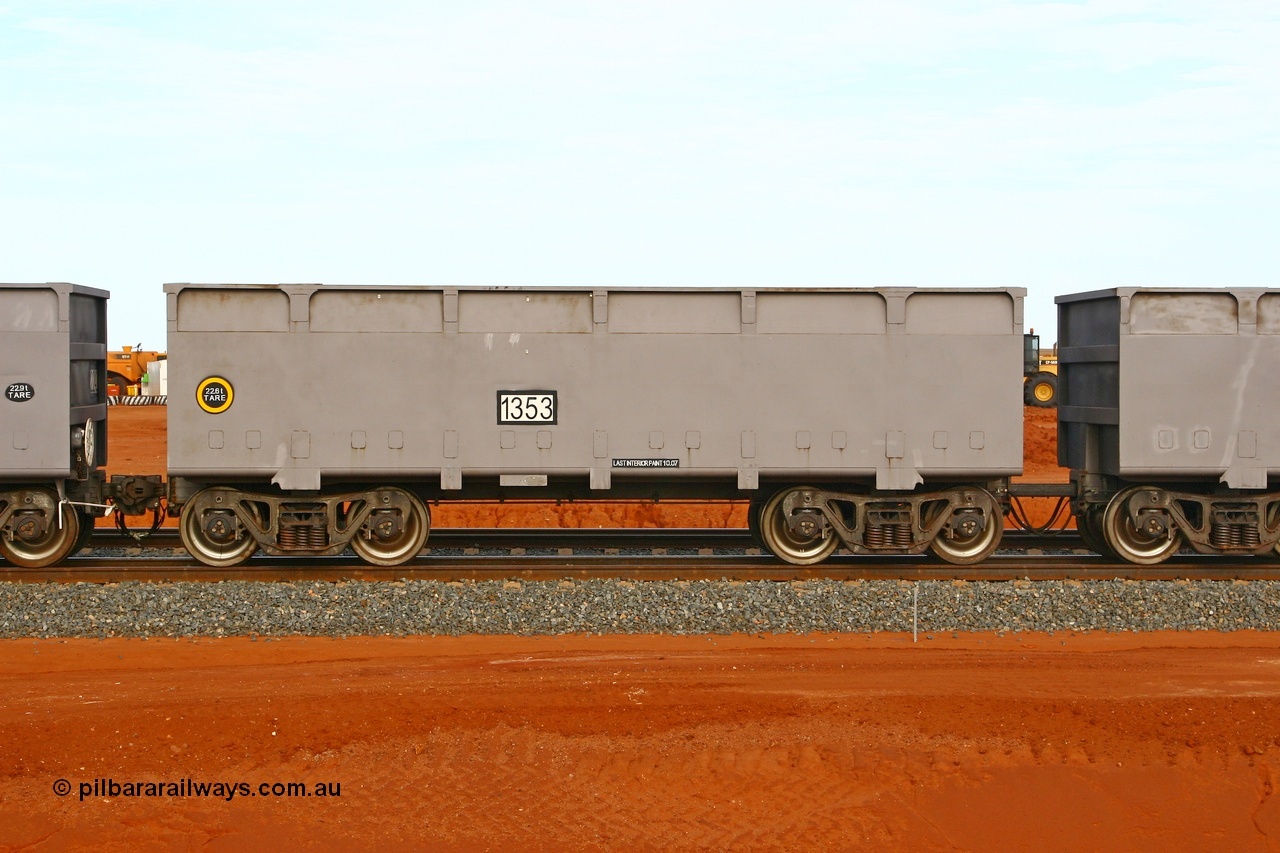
224, 526
803, 525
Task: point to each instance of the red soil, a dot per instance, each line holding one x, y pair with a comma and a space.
1097, 742
1040, 446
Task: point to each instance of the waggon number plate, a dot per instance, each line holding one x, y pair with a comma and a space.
527, 407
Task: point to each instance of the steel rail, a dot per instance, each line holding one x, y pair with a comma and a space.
739, 567
446, 538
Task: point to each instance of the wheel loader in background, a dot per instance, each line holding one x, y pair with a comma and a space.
1040, 373
127, 365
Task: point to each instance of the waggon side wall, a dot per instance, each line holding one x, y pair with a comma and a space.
1167, 384
334, 383
53, 341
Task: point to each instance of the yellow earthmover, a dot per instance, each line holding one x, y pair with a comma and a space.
1040, 372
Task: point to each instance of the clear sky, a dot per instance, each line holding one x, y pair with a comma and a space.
1056, 146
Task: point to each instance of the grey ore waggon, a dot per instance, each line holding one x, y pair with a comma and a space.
304, 418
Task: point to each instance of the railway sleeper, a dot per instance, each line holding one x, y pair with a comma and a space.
224, 526
804, 525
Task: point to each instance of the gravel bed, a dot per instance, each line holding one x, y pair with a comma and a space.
355, 608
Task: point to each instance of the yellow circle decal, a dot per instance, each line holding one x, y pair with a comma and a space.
214, 395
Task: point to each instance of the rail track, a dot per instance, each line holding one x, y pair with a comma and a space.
577, 539
633, 554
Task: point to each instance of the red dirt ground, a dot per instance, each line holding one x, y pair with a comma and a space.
1067, 742
832, 742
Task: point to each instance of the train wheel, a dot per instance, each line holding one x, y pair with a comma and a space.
394, 539
965, 541
47, 549
1272, 519
1089, 526
785, 543
212, 535
87, 523
1129, 543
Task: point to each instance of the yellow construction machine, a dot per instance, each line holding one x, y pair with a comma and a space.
127, 365
1039, 372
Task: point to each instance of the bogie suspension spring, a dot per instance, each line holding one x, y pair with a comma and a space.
303, 531
1235, 536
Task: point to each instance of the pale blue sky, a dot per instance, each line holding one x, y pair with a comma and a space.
1056, 146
